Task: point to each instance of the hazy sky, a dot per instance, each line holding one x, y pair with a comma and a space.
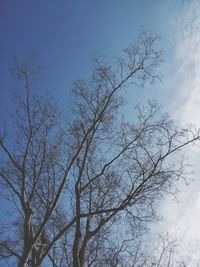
67, 32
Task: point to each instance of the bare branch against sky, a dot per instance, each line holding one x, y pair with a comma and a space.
84, 176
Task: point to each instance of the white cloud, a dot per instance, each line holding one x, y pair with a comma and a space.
182, 218
187, 61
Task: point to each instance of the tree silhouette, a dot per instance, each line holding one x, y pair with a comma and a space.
83, 186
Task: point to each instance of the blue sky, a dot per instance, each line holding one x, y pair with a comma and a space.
67, 32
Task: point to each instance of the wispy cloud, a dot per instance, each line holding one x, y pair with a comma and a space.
186, 34
181, 219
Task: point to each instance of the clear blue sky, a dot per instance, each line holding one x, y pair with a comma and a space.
66, 32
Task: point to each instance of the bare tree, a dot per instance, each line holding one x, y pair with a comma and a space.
80, 187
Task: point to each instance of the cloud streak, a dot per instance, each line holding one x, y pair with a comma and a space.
181, 219
187, 61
